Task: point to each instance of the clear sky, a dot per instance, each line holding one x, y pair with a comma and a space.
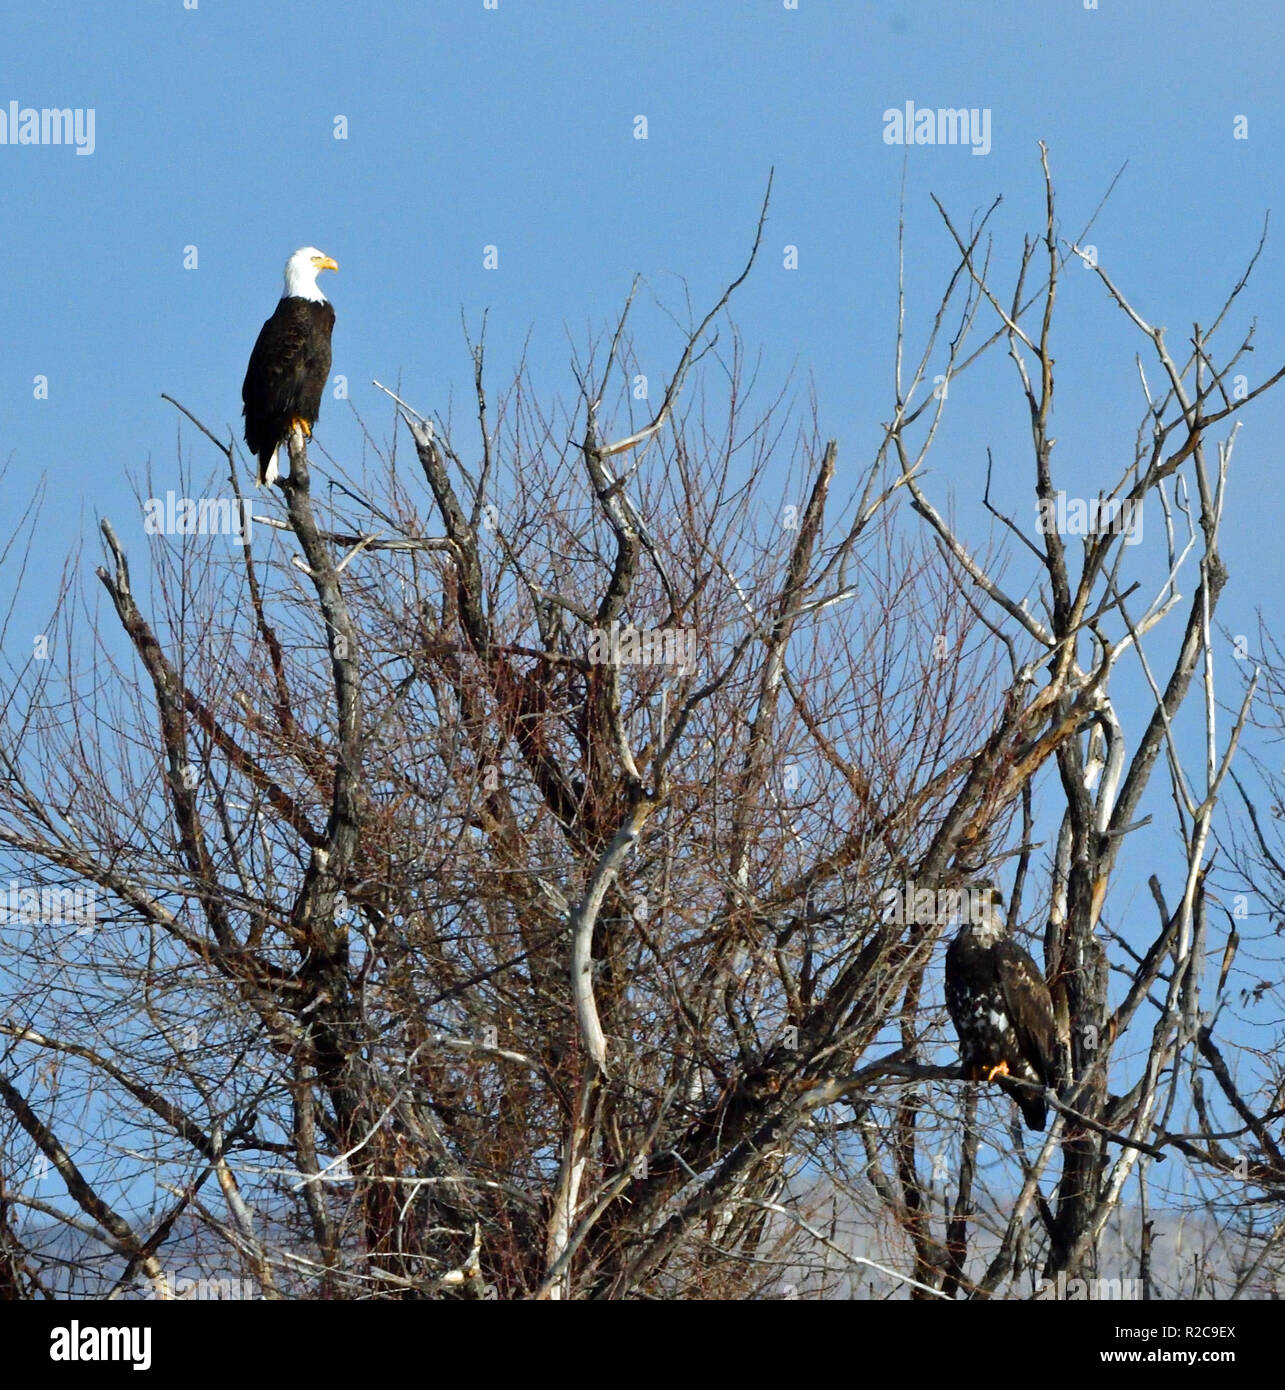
215, 127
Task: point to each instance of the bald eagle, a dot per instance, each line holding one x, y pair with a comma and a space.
290, 362
1000, 1006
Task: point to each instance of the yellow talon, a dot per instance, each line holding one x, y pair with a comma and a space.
1001, 1070
299, 423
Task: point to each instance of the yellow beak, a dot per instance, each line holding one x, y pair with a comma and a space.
325, 263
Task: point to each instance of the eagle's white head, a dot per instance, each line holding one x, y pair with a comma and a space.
302, 270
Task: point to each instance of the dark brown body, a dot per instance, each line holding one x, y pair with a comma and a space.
287, 374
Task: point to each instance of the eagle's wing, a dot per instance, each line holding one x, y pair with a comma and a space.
1030, 1007
280, 363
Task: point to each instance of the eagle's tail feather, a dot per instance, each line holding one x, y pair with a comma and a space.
1034, 1110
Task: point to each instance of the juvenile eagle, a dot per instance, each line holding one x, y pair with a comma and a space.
1000, 1006
290, 362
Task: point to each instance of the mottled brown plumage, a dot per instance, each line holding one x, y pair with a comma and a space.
1000, 1005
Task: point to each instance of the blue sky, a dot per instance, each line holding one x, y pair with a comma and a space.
514, 127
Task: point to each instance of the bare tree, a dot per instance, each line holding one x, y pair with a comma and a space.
493, 864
